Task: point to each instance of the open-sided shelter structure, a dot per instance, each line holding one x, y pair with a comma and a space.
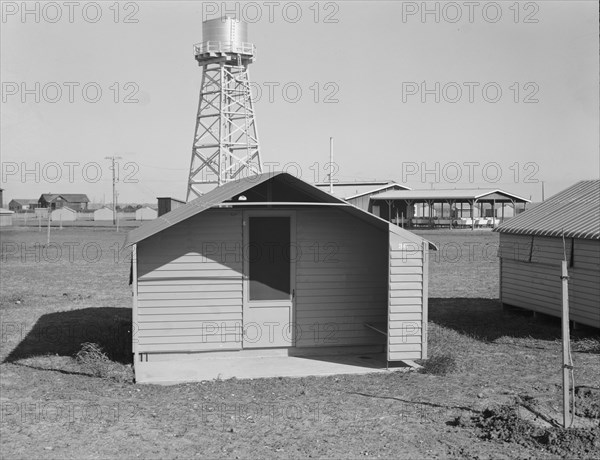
270, 262
400, 205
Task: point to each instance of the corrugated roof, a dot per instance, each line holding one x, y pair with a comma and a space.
574, 211
229, 190
454, 194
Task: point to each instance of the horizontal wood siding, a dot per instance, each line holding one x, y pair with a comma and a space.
536, 285
341, 279
587, 255
407, 292
190, 286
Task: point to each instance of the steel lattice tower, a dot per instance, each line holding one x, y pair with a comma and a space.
226, 144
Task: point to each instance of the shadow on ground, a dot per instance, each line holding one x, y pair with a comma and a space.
487, 320
64, 333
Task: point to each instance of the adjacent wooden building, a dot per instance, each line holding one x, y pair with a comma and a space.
145, 213
103, 214
534, 243
271, 262
63, 214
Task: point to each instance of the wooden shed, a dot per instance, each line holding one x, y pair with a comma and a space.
6, 217
146, 213
104, 213
63, 214
534, 243
271, 262
167, 204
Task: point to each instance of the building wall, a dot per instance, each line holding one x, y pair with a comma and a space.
361, 202
341, 279
63, 214
145, 214
408, 301
531, 269
103, 214
190, 285
6, 219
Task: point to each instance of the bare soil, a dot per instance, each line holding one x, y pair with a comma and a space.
501, 398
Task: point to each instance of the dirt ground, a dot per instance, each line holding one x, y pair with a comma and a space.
500, 398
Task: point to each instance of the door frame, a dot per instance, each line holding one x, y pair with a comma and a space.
246, 214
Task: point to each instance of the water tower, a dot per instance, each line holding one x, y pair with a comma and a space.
226, 139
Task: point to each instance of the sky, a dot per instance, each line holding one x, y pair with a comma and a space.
430, 94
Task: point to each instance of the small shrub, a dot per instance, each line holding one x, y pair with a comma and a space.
440, 365
93, 360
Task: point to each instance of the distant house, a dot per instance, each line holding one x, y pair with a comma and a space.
534, 243
167, 204
22, 204
63, 214
75, 201
104, 213
146, 213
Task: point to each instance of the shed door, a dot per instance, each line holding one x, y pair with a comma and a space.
268, 279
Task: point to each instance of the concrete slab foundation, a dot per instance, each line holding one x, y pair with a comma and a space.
254, 367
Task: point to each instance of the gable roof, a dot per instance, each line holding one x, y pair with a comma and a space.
453, 194
63, 209
220, 195
24, 201
574, 212
69, 197
350, 190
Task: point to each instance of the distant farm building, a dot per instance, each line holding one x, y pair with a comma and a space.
63, 214
359, 193
146, 213
534, 243
22, 204
6, 217
167, 204
75, 201
104, 213
257, 264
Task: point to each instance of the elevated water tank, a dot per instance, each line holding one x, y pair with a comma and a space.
230, 32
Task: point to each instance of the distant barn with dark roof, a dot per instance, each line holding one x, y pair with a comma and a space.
75, 201
534, 243
22, 204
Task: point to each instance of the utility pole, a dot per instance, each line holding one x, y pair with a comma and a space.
543, 198
331, 165
114, 186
